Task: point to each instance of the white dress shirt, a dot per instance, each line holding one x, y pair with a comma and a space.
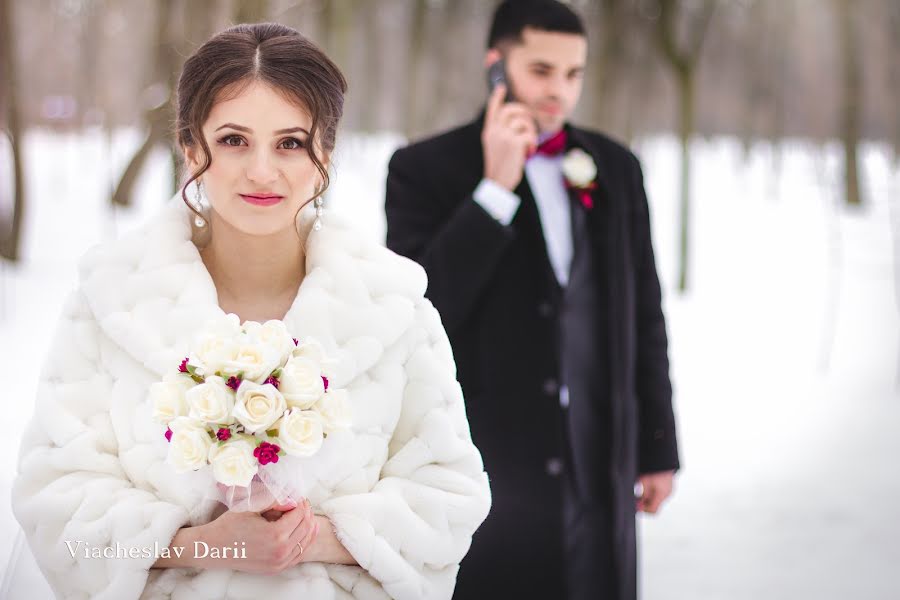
545, 178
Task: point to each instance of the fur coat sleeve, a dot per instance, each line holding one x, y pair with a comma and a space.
70, 485
413, 528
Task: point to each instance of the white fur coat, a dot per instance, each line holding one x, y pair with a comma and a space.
405, 497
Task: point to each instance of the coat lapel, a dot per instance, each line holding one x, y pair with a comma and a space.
606, 224
151, 293
528, 222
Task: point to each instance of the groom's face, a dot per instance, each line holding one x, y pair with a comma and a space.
545, 71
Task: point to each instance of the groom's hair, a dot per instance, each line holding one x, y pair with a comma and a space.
513, 16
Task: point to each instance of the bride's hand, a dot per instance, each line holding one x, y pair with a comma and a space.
269, 546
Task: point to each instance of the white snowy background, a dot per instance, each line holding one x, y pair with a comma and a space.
784, 352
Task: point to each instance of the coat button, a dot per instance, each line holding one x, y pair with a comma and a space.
551, 387
545, 309
554, 467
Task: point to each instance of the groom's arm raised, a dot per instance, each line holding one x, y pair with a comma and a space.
459, 242
460, 251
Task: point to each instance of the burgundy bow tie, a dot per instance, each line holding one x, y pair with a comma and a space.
553, 146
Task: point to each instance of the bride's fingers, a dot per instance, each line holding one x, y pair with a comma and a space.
271, 515
305, 513
305, 536
308, 540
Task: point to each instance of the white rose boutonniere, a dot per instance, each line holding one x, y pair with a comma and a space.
580, 172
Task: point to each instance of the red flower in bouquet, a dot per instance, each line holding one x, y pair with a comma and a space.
267, 453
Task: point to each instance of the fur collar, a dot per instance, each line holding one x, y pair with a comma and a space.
151, 293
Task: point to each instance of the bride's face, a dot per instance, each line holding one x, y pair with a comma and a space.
260, 172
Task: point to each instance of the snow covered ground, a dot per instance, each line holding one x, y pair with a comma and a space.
785, 352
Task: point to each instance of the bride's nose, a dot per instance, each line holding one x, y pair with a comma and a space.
262, 169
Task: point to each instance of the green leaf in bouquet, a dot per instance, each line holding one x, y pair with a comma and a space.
277, 373
272, 432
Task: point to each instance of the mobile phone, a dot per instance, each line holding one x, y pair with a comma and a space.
496, 75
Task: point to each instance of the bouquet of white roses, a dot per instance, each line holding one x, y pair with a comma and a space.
247, 396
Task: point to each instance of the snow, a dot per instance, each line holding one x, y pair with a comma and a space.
785, 351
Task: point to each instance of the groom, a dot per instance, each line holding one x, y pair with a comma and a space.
535, 235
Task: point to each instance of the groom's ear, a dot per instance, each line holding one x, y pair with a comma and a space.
491, 56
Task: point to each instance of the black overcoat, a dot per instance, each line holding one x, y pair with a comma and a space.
499, 301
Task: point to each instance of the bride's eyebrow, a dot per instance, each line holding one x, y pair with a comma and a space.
276, 132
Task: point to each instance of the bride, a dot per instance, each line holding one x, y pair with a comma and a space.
393, 513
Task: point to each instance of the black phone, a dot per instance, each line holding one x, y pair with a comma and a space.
496, 75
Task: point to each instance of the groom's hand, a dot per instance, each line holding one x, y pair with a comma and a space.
508, 137
655, 488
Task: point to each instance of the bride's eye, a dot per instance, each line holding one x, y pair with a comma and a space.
232, 140
292, 144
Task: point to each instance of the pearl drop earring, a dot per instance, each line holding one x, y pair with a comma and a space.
319, 203
198, 200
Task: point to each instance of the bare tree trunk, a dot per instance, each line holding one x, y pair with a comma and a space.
10, 239
894, 35
158, 117
754, 40
893, 24
369, 88
685, 130
683, 63
783, 24
852, 99
336, 20
610, 64
251, 11
415, 57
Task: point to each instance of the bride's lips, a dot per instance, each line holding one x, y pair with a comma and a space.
262, 199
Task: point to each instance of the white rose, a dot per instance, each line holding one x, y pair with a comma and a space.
211, 402
273, 334
258, 406
254, 360
334, 409
579, 167
189, 445
312, 349
301, 382
167, 397
216, 344
233, 462
212, 353
300, 432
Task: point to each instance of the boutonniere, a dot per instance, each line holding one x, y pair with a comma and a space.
580, 173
